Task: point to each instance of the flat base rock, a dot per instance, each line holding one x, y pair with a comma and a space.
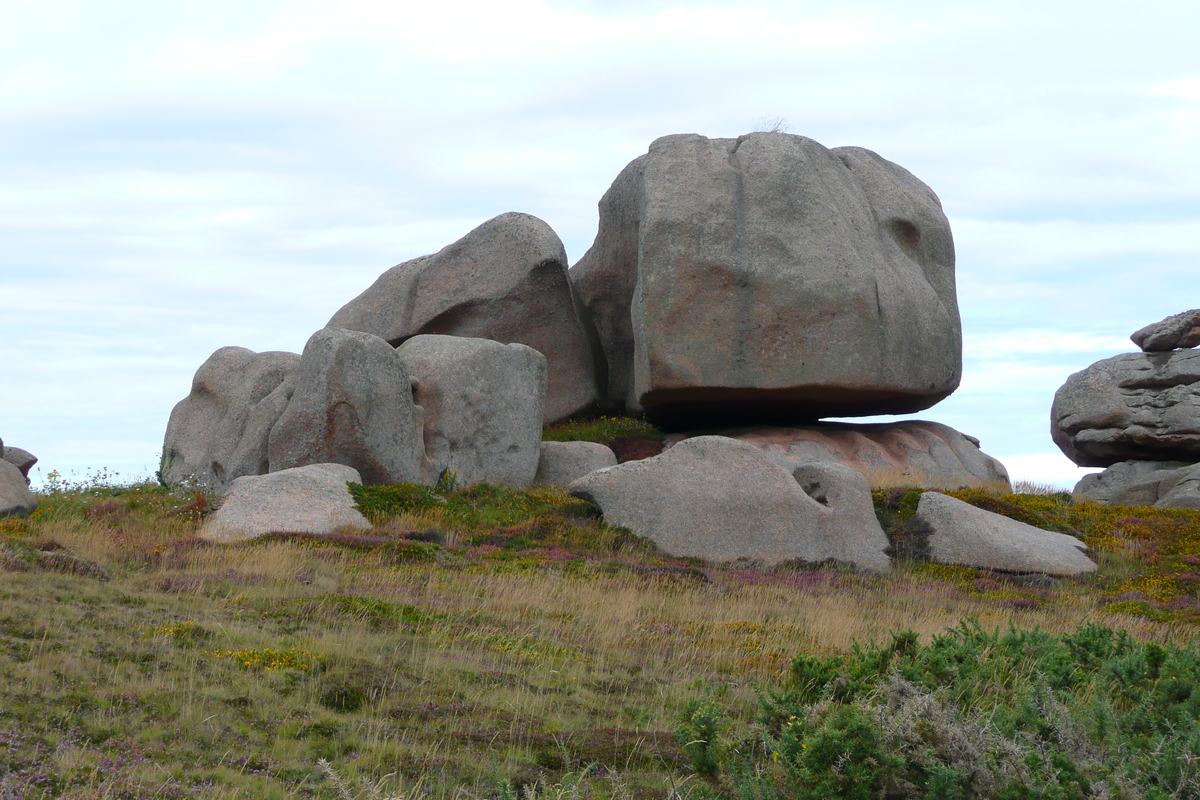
560, 463
961, 534
1163, 484
15, 498
310, 499
929, 455
719, 499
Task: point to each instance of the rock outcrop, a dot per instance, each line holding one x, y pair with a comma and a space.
353, 405
21, 459
560, 463
720, 499
769, 279
961, 534
912, 452
482, 404
15, 498
219, 431
507, 281
1179, 330
309, 499
1165, 484
1135, 406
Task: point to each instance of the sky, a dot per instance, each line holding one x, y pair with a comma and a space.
177, 177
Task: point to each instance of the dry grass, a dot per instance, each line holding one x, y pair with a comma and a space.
229, 671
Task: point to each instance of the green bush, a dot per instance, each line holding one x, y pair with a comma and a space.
974, 715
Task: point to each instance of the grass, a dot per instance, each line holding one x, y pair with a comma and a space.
479, 643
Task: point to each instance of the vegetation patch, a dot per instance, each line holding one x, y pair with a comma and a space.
630, 438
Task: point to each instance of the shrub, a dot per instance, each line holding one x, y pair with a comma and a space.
974, 714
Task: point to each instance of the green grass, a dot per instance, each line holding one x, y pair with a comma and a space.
487, 641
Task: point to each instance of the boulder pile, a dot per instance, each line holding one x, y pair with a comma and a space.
738, 292
1138, 415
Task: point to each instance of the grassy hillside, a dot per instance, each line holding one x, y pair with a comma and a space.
498, 643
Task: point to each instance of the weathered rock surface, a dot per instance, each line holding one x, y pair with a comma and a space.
219, 431
1165, 484
482, 404
1135, 406
507, 281
769, 279
353, 405
960, 533
560, 463
21, 459
1180, 330
911, 452
15, 498
309, 499
720, 499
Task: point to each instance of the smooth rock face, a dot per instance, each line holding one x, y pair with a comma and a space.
908, 453
1135, 406
563, 462
21, 459
352, 405
219, 431
968, 536
1165, 484
507, 281
15, 498
482, 404
769, 279
1180, 330
310, 499
720, 499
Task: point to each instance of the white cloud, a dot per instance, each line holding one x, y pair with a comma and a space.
1053, 469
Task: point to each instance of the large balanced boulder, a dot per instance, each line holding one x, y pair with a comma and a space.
1178, 330
482, 404
15, 498
507, 281
961, 534
719, 499
769, 279
353, 405
1135, 406
219, 431
908, 453
1165, 484
310, 499
560, 463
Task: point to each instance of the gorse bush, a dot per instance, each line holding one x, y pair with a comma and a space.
975, 715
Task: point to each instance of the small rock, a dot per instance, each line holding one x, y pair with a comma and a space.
482, 404
563, 462
309, 499
1180, 330
352, 405
22, 459
719, 499
15, 498
961, 534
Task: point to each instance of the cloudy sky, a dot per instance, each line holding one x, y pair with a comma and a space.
176, 177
